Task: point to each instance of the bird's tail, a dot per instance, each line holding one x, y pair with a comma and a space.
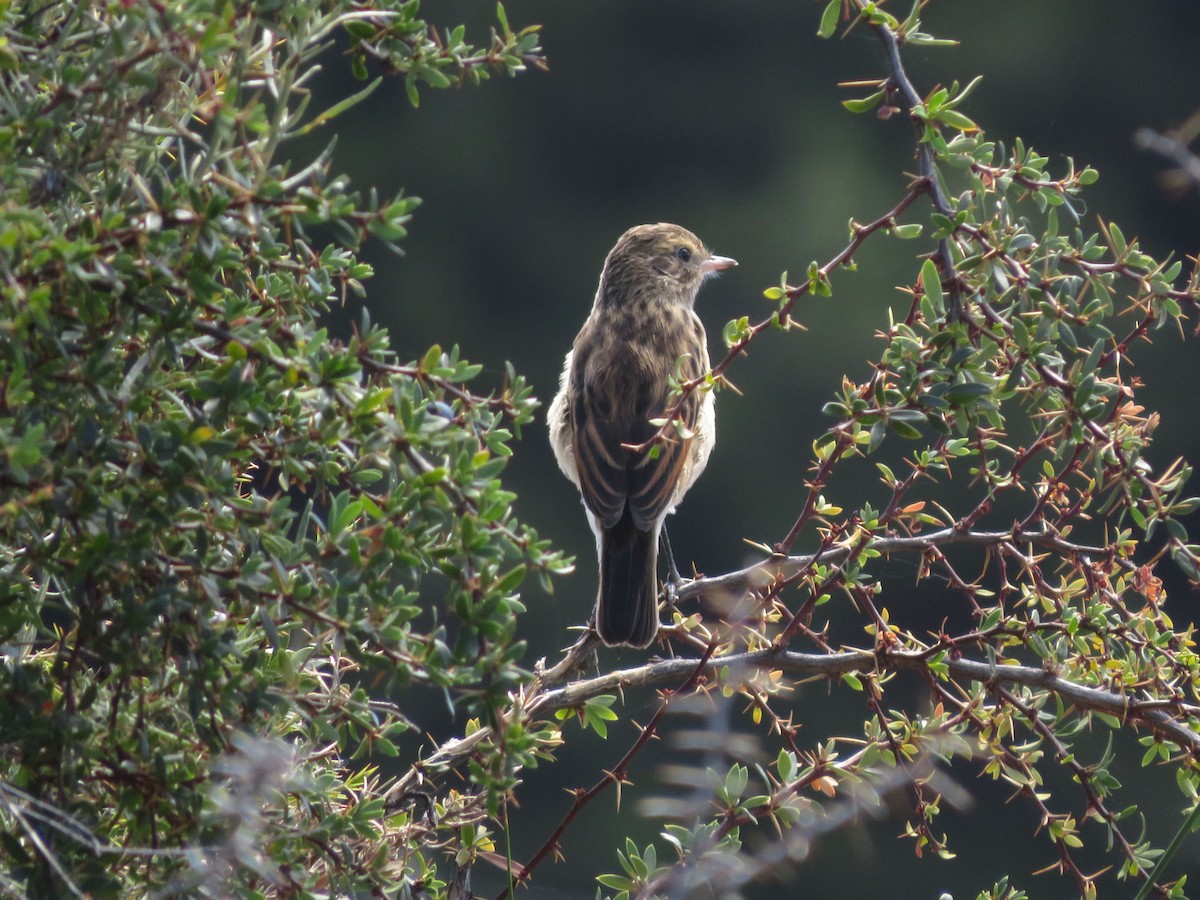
627, 610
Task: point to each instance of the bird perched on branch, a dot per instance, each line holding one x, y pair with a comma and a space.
641, 334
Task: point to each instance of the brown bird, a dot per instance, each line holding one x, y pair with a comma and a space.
641, 333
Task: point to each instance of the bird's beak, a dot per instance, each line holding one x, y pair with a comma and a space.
716, 264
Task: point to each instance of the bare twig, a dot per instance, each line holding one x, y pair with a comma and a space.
1171, 147
763, 573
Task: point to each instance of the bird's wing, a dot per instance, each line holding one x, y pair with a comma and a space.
611, 412
601, 462
653, 479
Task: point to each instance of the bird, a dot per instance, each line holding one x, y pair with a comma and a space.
641, 335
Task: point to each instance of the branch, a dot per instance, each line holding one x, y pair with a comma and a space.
925, 158
928, 183
770, 570
1150, 712
1172, 148
617, 774
1082, 774
543, 696
780, 316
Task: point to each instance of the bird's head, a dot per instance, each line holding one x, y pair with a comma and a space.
660, 259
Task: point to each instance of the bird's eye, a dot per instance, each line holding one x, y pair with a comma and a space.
683, 254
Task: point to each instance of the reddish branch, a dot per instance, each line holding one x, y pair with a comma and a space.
781, 314
1083, 775
616, 775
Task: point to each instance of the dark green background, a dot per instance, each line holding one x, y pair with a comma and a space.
726, 118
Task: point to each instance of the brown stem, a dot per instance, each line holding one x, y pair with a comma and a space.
615, 776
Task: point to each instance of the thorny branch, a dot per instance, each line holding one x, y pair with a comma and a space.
1167, 719
781, 317
1153, 713
928, 183
761, 574
925, 155
617, 774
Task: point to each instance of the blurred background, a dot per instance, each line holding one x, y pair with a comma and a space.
726, 118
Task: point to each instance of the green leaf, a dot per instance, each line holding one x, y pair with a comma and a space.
434, 78
785, 764
920, 39
875, 438
360, 30
1116, 239
904, 430
956, 120
829, 19
967, 391
616, 882
835, 409
341, 106
864, 104
735, 330
962, 95
906, 232
931, 283
943, 225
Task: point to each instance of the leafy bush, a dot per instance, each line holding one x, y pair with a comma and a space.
216, 521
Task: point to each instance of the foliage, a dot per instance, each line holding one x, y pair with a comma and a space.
233, 548
217, 523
